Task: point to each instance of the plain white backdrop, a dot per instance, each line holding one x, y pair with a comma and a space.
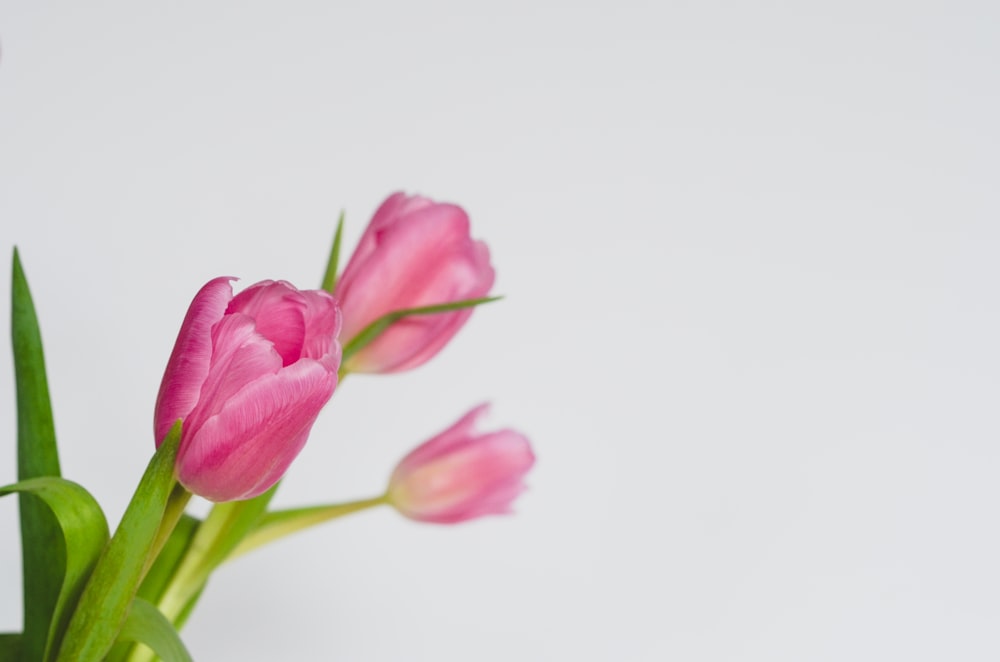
749, 252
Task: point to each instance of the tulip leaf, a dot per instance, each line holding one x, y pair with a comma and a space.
368, 334
104, 605
330, 277
83, 532
10, 647
159, 575
37, 455
146, 625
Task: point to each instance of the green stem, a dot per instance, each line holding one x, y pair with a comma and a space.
226, 524
281, 523
176, 504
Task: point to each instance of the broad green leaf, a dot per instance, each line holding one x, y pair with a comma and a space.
10, 647
160, 573
330, 277
105, 602
83, 532
37, 455
146, 625
368, 334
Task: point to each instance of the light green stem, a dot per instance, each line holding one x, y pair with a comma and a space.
214, 539
176, 504
281, 523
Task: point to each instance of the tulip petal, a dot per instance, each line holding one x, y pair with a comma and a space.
240, 356
481, 477
279, 310
456, 435
405, 255
322, 326
458, 475
241, 451
427, 260
190, 360
395, 206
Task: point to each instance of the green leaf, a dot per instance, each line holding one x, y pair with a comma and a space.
37, 455
83, 532
10, 647
104, 605
146, 625
160, 573
368, 334
330, 277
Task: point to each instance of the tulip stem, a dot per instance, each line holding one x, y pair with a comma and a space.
176, 503
280, 523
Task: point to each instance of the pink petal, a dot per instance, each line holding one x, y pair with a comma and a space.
190, 360
322, 326
248, 445
457, 434
408, 252
279, 310
240, 356
389, 212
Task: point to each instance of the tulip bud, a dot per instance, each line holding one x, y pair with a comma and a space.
460, 475
248, 377
414, 253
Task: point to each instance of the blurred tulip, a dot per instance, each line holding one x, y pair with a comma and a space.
460, 475
248, 377
414, 253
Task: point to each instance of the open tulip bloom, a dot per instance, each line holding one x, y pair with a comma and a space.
247, 378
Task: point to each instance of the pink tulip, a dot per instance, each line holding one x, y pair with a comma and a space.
460, 475
248, 377
415, 252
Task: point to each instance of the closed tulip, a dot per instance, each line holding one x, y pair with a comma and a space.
414, 253
461, 474
248, 377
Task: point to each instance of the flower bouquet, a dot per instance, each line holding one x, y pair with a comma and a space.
247, 378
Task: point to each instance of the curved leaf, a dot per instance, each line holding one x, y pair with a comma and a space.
10, 647
146, 625
104, 604
83, 531
37, 455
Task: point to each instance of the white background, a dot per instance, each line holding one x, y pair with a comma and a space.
750, 258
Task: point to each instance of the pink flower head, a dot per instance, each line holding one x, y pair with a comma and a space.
460, 475
248, 377
415, 252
